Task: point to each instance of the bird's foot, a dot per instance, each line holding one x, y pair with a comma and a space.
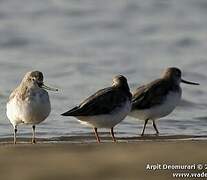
157, 134
34, 141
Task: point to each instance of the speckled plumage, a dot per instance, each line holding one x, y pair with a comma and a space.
29, 103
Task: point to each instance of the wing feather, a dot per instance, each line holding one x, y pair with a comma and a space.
151, 94
102, 102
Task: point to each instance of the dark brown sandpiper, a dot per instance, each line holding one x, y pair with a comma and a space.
158, 98
106, 108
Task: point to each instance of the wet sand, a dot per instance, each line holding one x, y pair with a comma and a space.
82, 158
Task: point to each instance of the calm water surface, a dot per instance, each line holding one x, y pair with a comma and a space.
81, 44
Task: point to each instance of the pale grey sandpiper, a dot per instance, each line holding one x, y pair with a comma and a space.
106, 108
29, 103
158, 98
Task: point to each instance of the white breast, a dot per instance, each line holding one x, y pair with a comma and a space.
32, 110
156, 112
107, 120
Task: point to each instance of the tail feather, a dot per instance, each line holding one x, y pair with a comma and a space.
71, 112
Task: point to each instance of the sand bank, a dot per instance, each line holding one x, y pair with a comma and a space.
126, 160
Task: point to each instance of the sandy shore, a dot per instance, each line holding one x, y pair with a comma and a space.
125, 160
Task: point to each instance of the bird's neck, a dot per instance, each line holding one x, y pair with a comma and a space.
125, 89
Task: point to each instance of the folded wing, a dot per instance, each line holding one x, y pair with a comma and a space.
150, 95
102, 102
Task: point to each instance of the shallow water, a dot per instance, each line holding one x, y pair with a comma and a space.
80, 45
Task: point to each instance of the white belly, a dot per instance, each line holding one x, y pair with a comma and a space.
159, 111
30, 111
107, 120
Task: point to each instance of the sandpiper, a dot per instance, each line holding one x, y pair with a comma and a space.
106, 108
158, 98
29, 103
